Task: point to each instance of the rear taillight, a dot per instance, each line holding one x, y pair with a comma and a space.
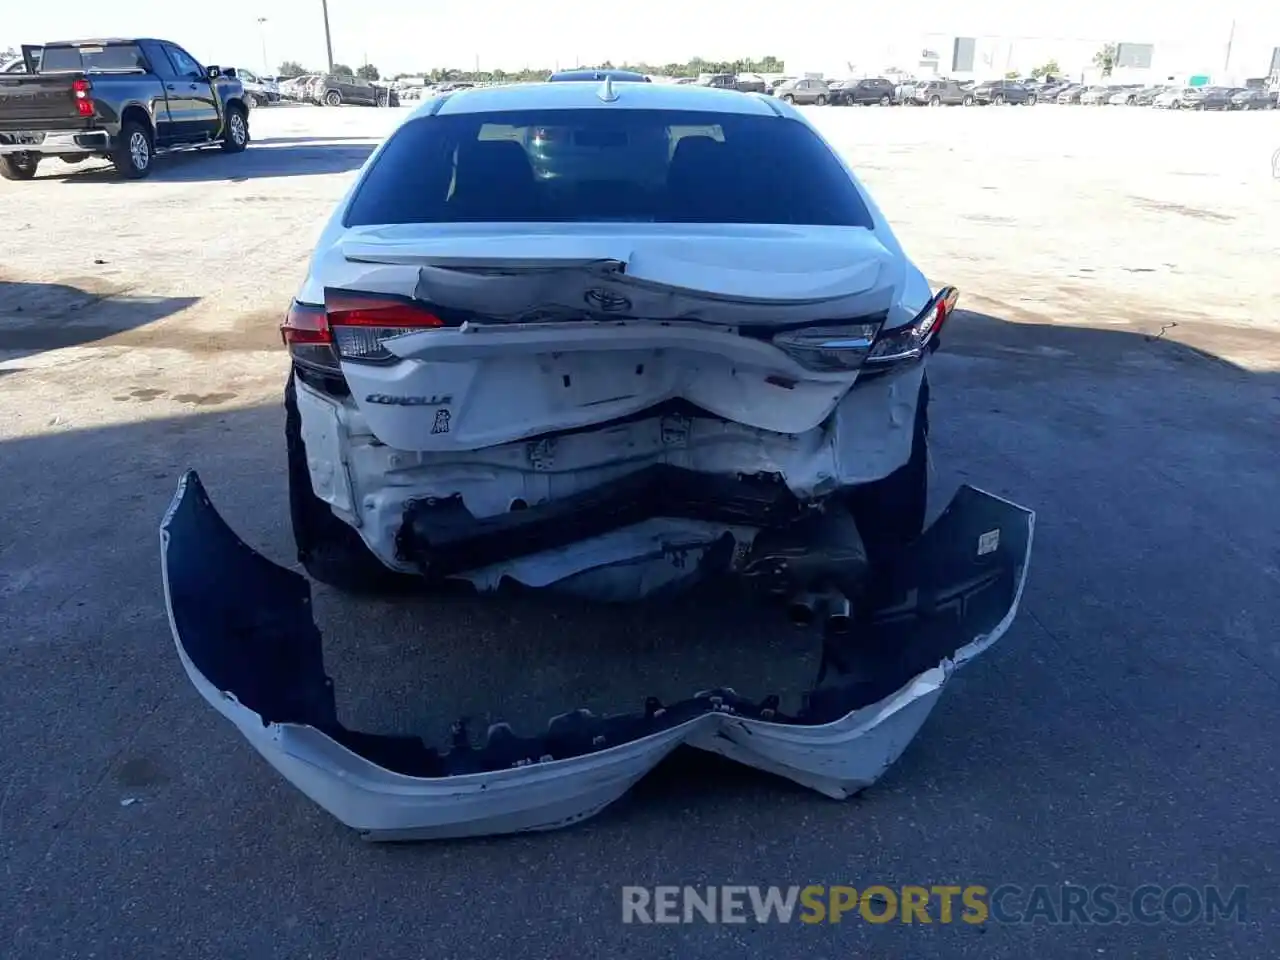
907, 343
360, 323
83, 89
305, 332
829, 348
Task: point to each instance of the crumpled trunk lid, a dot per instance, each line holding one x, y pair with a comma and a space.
557, 329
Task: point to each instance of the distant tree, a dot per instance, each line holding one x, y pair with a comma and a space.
342, 70
368, 72
1050, 69
290, 69
1105, 58
1012, 75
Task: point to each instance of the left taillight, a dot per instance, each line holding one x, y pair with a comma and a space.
361, 323
306, 333
908, 343
83, 91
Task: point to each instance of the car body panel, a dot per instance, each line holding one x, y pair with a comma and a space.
243, 630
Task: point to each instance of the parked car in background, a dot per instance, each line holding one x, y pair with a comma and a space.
257, 91
1253, 99
333, 91
905, 91
1095, 95
939, 93
125, 100
996, 92
804, 90
1143, 96
1048, 92
862, 92
1072, 94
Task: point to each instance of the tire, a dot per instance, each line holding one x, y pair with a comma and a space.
383, 99
331, 552
252, 101
935, 101
1031, 100
967, 102
333, 99
885, 101
133, 152
998, 100
890, 512
19, 166
235, 130
821, 101
788, 98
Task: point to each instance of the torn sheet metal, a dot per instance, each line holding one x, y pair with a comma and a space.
246, 638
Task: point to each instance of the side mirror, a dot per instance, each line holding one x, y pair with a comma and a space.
213, 72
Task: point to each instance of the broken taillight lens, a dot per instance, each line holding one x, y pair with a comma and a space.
361, 324
908, 343
83, 89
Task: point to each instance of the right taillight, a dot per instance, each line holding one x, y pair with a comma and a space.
907, 343
83, 89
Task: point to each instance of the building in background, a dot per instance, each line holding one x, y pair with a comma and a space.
1226, 52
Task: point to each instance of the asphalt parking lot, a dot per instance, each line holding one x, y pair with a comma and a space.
1118, 370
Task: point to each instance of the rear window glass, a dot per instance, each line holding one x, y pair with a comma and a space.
606, 165
113, 56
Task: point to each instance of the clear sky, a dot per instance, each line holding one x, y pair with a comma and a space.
403, 35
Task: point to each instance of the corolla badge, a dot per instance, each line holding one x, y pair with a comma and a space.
606, 300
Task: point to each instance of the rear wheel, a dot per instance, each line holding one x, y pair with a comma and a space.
132, 153
788, 98
967, 102
384, 98
997, 100
821, 101
331, 552
885, 101
333, 99
19, 166
1031, 100
935, 101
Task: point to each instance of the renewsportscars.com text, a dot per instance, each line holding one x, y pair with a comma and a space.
972, 904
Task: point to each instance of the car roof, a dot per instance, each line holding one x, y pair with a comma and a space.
587, 95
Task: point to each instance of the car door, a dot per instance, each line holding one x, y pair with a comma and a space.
192, 105
160, 65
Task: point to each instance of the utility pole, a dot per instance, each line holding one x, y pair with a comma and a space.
328, 41
262, 35
1231, 38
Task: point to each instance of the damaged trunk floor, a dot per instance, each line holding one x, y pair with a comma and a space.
524, 658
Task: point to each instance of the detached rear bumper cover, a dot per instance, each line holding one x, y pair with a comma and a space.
245, 635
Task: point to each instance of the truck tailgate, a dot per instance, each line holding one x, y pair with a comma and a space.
39, 102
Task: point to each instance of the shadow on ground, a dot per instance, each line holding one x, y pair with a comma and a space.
287, 158
35, 317
1119, 734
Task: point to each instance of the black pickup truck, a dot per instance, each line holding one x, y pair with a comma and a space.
126, 100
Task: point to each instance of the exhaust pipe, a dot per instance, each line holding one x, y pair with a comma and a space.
802, 609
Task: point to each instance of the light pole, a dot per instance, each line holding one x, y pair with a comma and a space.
262, 36
328, 42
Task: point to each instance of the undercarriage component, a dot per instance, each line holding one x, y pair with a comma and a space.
246, 638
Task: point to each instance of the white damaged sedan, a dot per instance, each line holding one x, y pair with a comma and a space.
614, 340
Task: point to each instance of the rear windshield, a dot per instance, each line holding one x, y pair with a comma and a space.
112, 56
607, 165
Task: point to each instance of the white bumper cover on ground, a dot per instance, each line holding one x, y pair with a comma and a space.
245, 635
